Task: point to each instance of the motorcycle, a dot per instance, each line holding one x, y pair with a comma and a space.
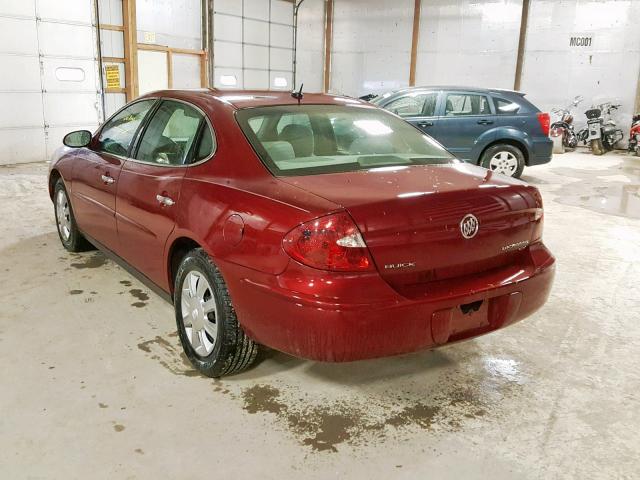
634, 135
562, 132
601, 132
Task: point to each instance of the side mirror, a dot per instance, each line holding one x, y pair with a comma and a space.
77, 139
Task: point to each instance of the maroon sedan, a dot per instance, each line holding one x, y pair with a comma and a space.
320, 226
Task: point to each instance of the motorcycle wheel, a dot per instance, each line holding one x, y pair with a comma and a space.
606, 143
597, 148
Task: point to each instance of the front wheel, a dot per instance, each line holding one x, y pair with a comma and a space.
597, 147
70, 236
209, 331
505, 159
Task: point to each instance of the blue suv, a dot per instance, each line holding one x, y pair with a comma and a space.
498, 129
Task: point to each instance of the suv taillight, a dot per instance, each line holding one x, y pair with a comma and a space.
545, 122
332, 242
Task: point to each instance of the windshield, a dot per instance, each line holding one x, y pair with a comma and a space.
315, 139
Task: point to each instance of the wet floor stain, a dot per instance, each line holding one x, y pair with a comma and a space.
75, 292
96, 260
103, 405
141, 296
126, 283
139, 451
327, 424
169, 356
118, 427
602, 192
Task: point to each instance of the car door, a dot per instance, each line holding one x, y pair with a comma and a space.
148, 197
416, 107
465, 118
95, 177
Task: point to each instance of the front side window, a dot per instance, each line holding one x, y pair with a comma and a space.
171, 138
414, 104
117, 134
460, 104
320, 139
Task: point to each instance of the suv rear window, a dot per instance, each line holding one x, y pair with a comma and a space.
316, 139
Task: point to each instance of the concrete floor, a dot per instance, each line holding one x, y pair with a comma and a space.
93, 383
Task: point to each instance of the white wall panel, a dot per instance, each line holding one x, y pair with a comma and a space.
279, 75
110, 11
81, 74
152, 71
258, 9
245, 40
554, 72
256, 32
21, 109
114, 102
226, 27
256, 79
22, 145
468, 43
371, 45
186, 71
281, 12
67, 11
310, 48
22, 8
20, 73
59, 39
175, 23
111, 43
233, 7
18, 35
256, 57
227, 54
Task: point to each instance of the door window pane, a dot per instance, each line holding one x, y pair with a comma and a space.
414, 104
460, 104
117, 134
170, 135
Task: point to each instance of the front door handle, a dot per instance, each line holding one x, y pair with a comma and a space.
425, 124
485, 122
166, 201
107, 179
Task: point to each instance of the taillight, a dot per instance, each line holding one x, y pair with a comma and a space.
332, 242
545, 122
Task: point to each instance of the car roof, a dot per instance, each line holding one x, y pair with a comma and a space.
238, 99
454, 88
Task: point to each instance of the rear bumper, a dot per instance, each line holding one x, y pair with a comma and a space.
293, 313
541, 151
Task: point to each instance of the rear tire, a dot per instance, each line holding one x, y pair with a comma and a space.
70, 236
209, 331
503, 158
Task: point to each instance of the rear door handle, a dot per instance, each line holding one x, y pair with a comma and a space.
485, 122
166, 201
425, 124
107, 179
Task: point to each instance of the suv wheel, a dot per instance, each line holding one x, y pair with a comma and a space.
505, 159
209, 331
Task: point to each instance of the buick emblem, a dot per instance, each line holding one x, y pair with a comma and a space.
469, 226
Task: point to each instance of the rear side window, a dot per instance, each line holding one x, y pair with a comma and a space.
116, 135
172, 134
505, 107
460, 104
414, 104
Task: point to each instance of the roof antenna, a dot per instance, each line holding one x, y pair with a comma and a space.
298, 95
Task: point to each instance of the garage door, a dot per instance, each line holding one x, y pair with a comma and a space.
49, 83
253, 44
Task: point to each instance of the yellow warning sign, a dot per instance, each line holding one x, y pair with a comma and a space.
112, 73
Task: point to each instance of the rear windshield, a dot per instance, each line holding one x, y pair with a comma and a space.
315, 139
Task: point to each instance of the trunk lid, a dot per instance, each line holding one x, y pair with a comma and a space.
410, 218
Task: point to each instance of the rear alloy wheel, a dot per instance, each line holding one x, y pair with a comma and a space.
68, 232
504, 159
209, 331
